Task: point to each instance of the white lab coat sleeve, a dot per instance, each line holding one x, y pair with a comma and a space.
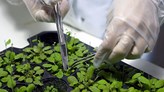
15, 2
160, 6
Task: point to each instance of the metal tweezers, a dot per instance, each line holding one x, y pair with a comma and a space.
61, 37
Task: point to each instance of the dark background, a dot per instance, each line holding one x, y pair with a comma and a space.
157, 56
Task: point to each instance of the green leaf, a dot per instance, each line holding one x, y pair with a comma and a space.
37, 68
22, 89
16, 76
37, 82
68, 33
159, 84
30, 56
7, 42
28, 49
4, 79
37, 60
21, 78
3, 90
6, 60
36, 49
82, 69
29, 80
146, 91
10, 55
81, 86
26, 66
79, 53
42, 56
0, 84
102, 87
40, 72
84, 90
132, 81
69, 46
59, 74
30, 88
131, 89
11, 83
122, 90
40, 44
95, 84
37, 78
3, 73
90, 72
153, 81
18, 56
160, 90
48, 52
47, 65
144, 80
9, 69
116, 84
80, 45
51, 59
94, 89
102, 81
72, 80
57, 57
57, 48
34, 40
136, 75
46, 48
80, 77
76, 90
54, 68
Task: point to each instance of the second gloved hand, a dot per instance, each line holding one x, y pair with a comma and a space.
42, 10
132, 30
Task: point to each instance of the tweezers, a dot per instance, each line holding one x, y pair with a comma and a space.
61, 37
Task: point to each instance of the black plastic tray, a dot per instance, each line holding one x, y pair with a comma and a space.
48, 38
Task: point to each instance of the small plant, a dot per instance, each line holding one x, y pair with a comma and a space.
50, 88
6, 78
28, 88
38, 53
29, 74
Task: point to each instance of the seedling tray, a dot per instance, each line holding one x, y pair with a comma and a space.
38, 68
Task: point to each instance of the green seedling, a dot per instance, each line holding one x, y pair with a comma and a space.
50, 88
38, 53
29, 88
8, 42
28, 74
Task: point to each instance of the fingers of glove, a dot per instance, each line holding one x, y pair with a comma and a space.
112, 36
121, 50
110, 40
64, 7
100, 56
44, 12
105, 49
44, 16
138, 49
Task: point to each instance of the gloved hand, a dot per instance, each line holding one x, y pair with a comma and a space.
133, 29
42, 10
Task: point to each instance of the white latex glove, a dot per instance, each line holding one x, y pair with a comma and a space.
45, 13
132, 30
